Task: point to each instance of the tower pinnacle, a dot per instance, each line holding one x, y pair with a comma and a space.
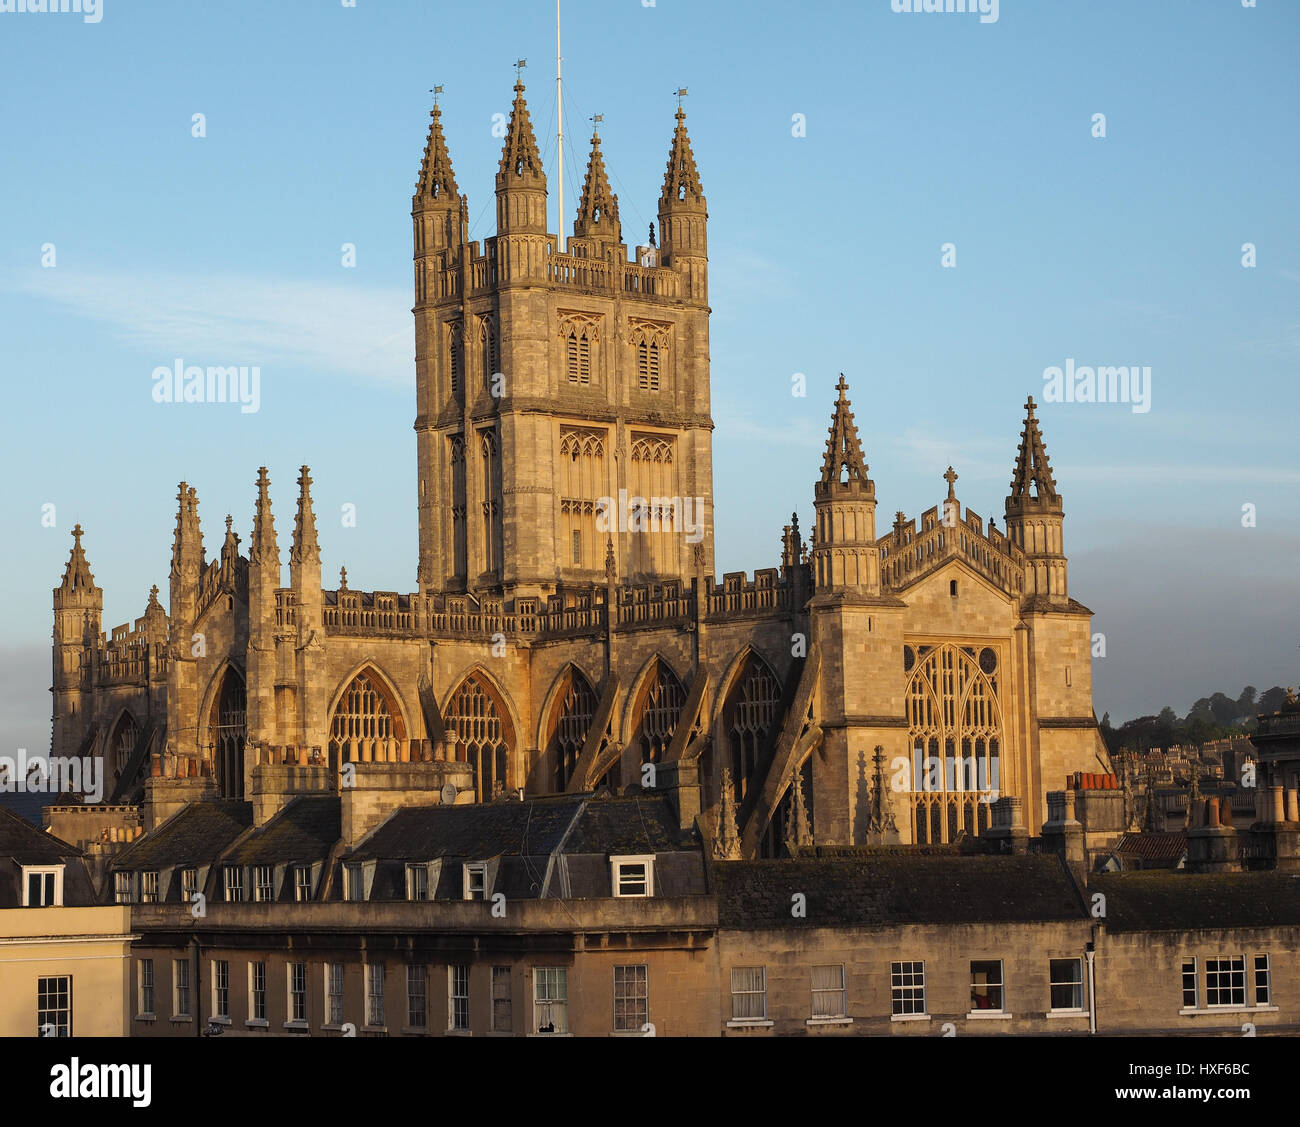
598, 207
843, 462
437, 183
1032, 469
305, 545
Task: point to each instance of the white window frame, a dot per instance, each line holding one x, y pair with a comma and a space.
141, 967
302, 883
638, 997
253, 1018
1232, 970
124, 888
335, 1019
1001, 1010
618, 880
56, 890
1268, 979
230, 884
417, 973
457, 991
1079, 984
903, 982
375, 972
354, 881
220, 967
149, 887
181, 967
554, 1004
760, 993
294, 1021
62, 1015
837, 995
1191, 965
414, 873
258, 885
469, 870
188, 888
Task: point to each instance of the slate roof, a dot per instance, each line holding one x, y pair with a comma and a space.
29, 845
1153, 848
305, 830
1172, 901
474, 832
883, 890
196, 835
636, 824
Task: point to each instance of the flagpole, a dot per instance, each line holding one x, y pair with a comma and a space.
559, 118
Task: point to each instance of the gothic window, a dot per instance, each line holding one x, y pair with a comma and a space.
647, 366
488, 349
122, 744
455, 356
365, 720
458, 509
229, 733
661, 705
650, 340
582, 485
492, 530
571, 716
478, 730
955, 733
654, 515
577, 363
748, 717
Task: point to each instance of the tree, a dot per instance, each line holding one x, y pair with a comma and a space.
1272, 699
1246, 702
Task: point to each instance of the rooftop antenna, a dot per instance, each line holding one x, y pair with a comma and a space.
559, 125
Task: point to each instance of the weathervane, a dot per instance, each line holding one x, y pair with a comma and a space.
595, 120
519, 69
435, 92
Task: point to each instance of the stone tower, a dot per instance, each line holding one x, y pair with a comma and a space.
78, 609
563, 399
1035, 515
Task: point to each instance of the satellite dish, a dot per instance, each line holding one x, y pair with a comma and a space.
449, 794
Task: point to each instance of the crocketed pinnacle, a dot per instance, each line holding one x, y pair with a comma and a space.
843, 450
305, 545
682, 180
520, 159
76, 576
598, 208
437, 182
264, 549
1032, 467
187, 545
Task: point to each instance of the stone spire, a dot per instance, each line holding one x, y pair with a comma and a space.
844, 460
76, 576
229, 547
1032, 468
682, 180
726, 842
187, 545
306, 548
264, 550
437, 183
598, 208
520, 159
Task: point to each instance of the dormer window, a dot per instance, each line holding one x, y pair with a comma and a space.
189, 884
302, 883
475, 880
233, 884
417, 882
263, 883
633, 876
43, 886
353, 887
123, 888
148, 888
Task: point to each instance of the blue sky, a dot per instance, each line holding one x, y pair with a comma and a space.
921, 129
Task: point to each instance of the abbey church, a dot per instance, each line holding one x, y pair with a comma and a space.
884, 683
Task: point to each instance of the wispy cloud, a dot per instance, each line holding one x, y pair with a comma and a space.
226, 319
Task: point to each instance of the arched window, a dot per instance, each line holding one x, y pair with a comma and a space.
121, 744
492, 534
653, 517
577, 356
478, 730
955, 733
229, 733
458, 508
571, 716
748, 718
367, 724
455, 356
582, 484
650, 343
489, 359
661, 706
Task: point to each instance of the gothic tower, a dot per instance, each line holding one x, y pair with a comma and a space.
563, 399
78, 609
1035, 515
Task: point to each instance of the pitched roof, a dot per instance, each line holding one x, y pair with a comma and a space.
28, 845
196, 835
900, 888
1172, 901
306, 829
1153, 847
